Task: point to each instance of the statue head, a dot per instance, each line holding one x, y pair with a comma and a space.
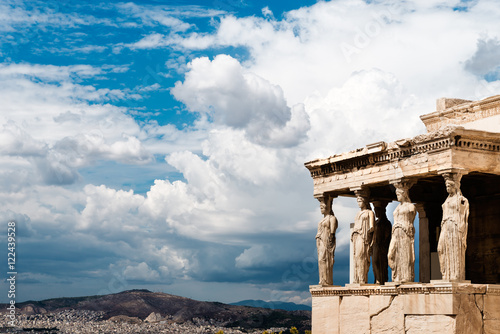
362, 197
379, 208
325, 205
363, 202
403, 191
452, 183
402, 195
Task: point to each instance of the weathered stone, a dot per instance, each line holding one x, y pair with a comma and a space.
480, 302
154, 317
491, 307
390, 320
469, 318
454, 226
326, 242
326, 315
378, 303
361, 237
429, 304
444, 103
354, 315
401, 250
459, 239
429, 324
491, 326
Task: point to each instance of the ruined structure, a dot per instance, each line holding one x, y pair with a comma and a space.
451, 177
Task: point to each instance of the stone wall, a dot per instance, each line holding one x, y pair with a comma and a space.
440, 308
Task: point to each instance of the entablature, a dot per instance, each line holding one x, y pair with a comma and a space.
426, 155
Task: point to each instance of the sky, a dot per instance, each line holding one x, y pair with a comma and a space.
161, 144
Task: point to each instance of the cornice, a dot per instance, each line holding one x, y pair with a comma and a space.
406, 289
451, 137
463, 113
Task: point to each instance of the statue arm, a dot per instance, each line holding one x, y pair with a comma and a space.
464, 216
318, 235
333, 224
371, 229
371, 216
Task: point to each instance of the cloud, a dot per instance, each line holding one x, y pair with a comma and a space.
140, 272
226, 198
70, 129
257, 256
154, 15
16, 15
16, 141
365, 109
239, 99
310, 41
168, 16
486, 58
150, 42
109, 210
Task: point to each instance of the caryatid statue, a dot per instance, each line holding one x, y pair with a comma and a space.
362, 237
326, 242
453, 237
381, 240
401, 254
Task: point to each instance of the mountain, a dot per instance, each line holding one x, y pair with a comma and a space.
141, 303
275, 305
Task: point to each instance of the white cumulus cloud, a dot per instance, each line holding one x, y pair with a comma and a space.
232, 96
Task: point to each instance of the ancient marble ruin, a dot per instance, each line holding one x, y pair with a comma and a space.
401, 255
447, 185
453, 237
326, 242
381, 242
362, 238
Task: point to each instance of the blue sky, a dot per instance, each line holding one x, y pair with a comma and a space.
160, 144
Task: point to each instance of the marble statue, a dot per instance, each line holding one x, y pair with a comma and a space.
401, 256
362, 237
453, 237
325, 242
381, 240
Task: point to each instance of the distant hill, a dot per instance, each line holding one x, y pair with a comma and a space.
141, 303
287, 306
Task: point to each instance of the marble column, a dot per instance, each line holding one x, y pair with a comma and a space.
401, 256
351, 256
362, 236
326, 241
452, 242
381, 241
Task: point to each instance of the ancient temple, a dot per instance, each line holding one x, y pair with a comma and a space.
449, 178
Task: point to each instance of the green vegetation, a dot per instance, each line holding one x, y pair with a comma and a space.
294, 330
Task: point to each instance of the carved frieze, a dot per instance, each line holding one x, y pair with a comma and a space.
405, 289
424, 154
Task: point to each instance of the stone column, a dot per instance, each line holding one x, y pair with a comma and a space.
401, 255
381, 241
326, 240
424, 245
362, 236
351, 256
454, 227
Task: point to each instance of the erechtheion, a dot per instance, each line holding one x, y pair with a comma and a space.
447, 184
